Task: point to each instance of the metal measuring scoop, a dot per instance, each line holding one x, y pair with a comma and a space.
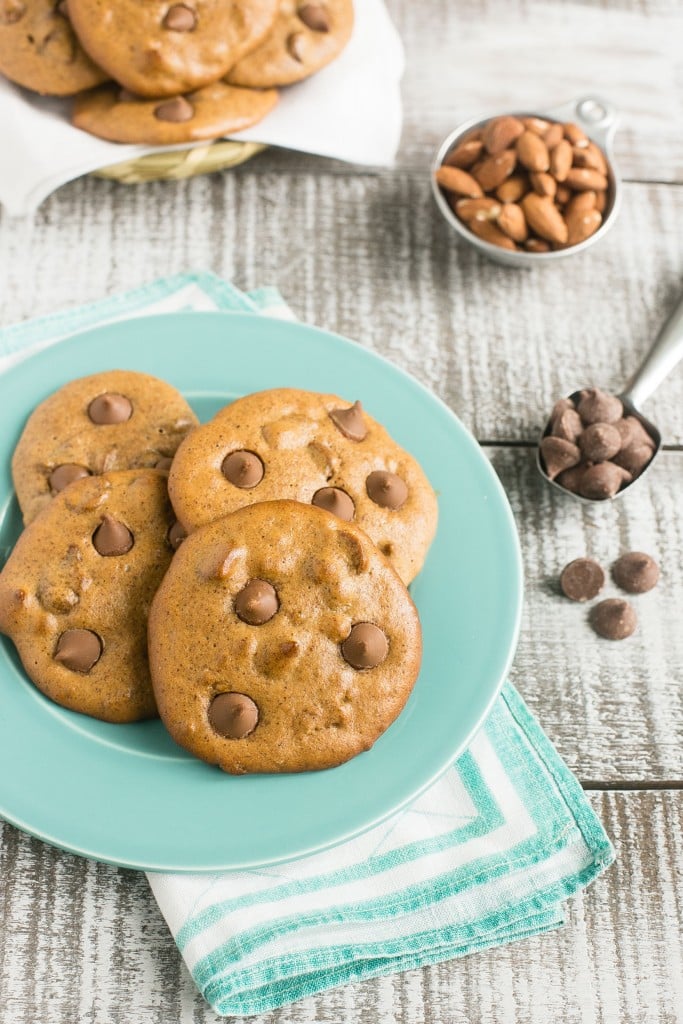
665, 353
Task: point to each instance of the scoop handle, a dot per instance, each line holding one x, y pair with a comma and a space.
666, 351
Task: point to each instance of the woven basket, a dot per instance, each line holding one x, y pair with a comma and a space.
185, 163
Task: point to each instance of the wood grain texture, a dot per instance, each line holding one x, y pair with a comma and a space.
372, 258
86, 943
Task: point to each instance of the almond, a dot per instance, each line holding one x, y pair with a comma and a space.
582, 224
543, 183
537, 125
591, 156
512, 221
601, 201
583, 178
563, 194
488, 232
516, 186
561, 157
544, 218
500, 133
465, 154
533, 152
575, 135
454, 179
581, 203
479, 209
554, 135
536, 245
493, 171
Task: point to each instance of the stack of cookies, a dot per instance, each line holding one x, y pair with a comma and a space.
280, 636
162, 72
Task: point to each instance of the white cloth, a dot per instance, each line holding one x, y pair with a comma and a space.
351, 110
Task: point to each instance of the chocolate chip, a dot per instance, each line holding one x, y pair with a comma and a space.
257, 602
635, 572
366, 646
334, 500
613, 619
386, 489
296, 46
633, 432
164, 463
634, 458
350, 421
558, 455
110, 408
561, 405
112, 538
176, 535
582, 579
176, 110
78, 649
599, 442
314, 16
233, 715
570, 479
62, 476
596, 406
567, 425
602, 481
180, 18
243, 469
11, 11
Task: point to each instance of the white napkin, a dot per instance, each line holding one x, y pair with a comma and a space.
351, 110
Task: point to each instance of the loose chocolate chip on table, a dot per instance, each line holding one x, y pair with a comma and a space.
635, 572
386, 489
599, 442
233, 715
112, 538
314, 16
62, 476
366, 646
334, 500
164, 463
176, 110
110, 408
243, 469
176, 535
350, 421
78, 649
582, 579
180, 18
613, 619
558, 455
602, 481
596, 406
257, 602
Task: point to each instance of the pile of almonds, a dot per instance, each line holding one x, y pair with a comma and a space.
527, 183
591, 447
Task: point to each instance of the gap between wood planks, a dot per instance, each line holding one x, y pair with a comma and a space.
637, 786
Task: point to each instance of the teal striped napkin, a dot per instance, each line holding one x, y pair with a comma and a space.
489, 854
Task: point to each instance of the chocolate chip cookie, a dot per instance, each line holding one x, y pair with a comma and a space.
113, 420
209, 113
39, 49
304, 38
314, 448
76, 591
158, 48
281, 640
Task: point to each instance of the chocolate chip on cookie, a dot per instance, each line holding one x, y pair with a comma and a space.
65, 474
112, 538
78, 650
320, 643
312, 448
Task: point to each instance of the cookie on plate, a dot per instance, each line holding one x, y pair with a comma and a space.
158, 48
313, 448
76, 591
304, 38
209, 113
281, 640
39, 49
118, 419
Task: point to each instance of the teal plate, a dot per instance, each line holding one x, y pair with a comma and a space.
126, 794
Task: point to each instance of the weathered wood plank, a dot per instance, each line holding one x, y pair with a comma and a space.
85, 942
613, 709
372, 258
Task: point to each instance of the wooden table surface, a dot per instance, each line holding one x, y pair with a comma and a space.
366, 253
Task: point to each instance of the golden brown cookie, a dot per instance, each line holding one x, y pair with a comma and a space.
209, 113
113, 420
281, 640
157, 48
308, 447
76, 591
39, 49
304, 38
